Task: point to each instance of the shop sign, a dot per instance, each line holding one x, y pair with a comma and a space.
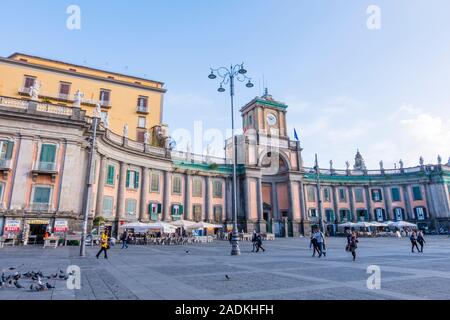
61, 226
12, 225
38, 221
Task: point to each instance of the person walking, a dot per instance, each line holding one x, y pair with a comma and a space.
254, 240
313, 244
104, 244
124, 239
421, 240
259, 243
352, 245
230, 236
320, 239
413, 239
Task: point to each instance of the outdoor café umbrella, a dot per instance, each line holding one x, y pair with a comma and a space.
363, 224
164, 227
378, 224
403, 224
137, 226
182, 223
205, 225
347, 225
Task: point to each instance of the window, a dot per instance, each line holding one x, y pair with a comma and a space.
130, 206
105, 96
111, 175
48, 157
250, 119
41, 198
379, 214
142, 122
395, 192
197, 187
420, 213
132, 179
398, 214
177, 211
376, 195
1, 193
176, 184
64, 90
342, 195
311, 194
108, 206
345, 215
29, 81
312, 213
359, 195
6, 148
154, 209
417, 193
217, 214
142, 104
217, 189
329, 214
362, 215
326, 195
154, 182
197, 210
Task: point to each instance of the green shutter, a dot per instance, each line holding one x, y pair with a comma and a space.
48, 152
149, 208
41, 195
136, 180
127, 183
181, 210
9, 150
159, 208
110, 178
417, 193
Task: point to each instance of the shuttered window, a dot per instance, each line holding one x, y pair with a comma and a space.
217, 189
1, 193
197, 188
359, 195
41, 195
132, 179
417, 193
326, 195
110, 176
311, 194
376, 195
6, 149
108, 205
154, 183
130, 206
217, 214
342, 195
197, 210
176, 184
395, 192
48, 153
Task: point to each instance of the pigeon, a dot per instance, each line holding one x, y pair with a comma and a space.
227, 277
18, 285
187, 251
49, 286
17, 276
12, 268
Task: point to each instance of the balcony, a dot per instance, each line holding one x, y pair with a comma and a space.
5, 167
142, 109
44, 168
40, 207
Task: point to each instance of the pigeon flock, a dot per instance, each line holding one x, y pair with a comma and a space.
39, 282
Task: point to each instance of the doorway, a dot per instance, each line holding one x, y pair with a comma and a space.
37, 231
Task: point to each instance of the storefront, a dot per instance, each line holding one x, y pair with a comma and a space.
11, 228
37, 229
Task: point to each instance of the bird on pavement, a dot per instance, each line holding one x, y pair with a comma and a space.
227, 277
18, 285
49, 286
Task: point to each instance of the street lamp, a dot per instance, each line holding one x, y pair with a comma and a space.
228, 76
90, 176
319, 198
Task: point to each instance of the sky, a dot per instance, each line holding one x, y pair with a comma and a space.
384, 91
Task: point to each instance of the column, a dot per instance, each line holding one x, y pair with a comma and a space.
409, 213
259, 199
369, 204
143, 214
166, 197
187, 196
101, 186
207, 199
120, 214
247, 206
229, 200
352, 205
387, 203
337, 216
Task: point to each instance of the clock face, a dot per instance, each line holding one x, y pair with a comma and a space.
271, 119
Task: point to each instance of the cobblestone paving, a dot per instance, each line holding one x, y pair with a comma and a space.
285, 271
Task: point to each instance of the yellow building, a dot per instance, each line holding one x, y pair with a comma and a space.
124, 99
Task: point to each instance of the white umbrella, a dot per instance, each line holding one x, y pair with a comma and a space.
363, 224
379, 224
205, 225
182, 223
137, 226
164, 227
403, 224
347, 225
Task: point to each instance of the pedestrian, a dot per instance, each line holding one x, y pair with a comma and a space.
353, 244
104, 244
413, 239
124, 239
320, 239
421, 240
259, 243
230, 236
254, 239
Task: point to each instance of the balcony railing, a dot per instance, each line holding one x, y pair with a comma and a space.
142, 109
5, 164
40, 207
15, 103
45, 166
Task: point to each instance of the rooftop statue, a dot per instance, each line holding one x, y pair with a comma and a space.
77, 99
34, 90
359, 162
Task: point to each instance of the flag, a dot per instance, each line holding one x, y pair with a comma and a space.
295, 135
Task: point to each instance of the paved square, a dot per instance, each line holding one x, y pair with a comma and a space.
285, 271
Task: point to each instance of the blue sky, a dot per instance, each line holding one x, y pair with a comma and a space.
383, 91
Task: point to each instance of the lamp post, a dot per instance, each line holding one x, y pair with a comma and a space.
228, 76
90, 175
319, 198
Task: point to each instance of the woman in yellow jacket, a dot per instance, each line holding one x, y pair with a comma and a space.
104, 244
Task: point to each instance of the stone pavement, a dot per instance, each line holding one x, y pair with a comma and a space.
285, 271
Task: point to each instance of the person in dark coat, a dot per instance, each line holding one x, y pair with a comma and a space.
230, 236
259, 243
353, 245
421, 240
254, 240
124, 239
413, 239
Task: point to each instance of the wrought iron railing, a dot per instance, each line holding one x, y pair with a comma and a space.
45, 166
